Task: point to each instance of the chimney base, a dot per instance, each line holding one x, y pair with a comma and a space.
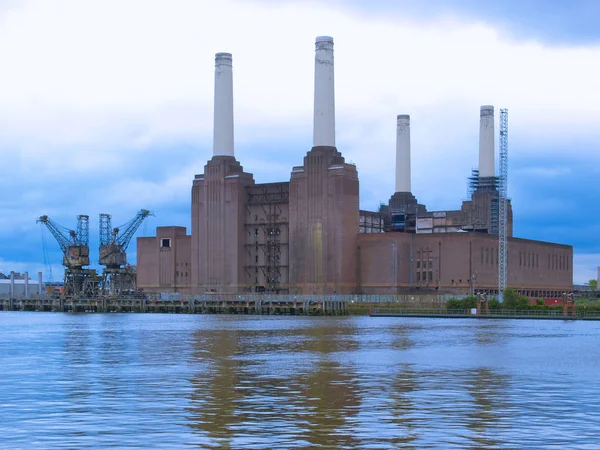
407, 203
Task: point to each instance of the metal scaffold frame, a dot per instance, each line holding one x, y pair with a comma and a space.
274, 225
503, 203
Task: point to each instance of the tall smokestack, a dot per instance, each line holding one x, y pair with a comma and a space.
223, 117
324, 125
486, 142
403, 154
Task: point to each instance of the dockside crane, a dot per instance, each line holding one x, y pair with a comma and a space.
78, 281
118, 277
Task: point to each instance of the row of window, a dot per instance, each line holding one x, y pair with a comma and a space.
555, 262
491, 255
424, 276
558, 262
529, 259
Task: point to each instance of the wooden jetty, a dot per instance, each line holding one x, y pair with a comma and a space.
205, 304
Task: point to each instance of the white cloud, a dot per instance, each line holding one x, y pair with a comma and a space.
78, 70
33, 268
585, 268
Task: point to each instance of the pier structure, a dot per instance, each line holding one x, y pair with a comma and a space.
202, 304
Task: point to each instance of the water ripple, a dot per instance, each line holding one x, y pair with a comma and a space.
171, 381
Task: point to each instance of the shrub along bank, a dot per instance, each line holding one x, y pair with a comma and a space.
512, 301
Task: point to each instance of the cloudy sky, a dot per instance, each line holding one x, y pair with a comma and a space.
106, 106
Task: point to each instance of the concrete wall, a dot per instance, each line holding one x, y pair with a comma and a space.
324, 216
461, 263
384, 263
164, 261
218, 226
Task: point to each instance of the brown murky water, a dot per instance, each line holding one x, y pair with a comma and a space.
173, 381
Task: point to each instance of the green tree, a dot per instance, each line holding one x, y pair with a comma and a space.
593, 284
512, 300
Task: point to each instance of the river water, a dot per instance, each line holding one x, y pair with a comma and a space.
176, 381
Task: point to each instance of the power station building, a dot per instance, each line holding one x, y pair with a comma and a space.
308, 235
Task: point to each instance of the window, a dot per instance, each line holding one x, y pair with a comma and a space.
430, 275
256, 258
418, 277
165, 243
418, 264
256, 232
520, 258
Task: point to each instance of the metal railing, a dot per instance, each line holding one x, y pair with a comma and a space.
492, 313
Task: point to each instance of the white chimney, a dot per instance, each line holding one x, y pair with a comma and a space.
324, 124
486, 142
403, 154
40, 284
26, 284
223, 117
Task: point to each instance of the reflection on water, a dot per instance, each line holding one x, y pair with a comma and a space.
164, 381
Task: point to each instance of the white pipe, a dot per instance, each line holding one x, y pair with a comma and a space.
40, 283
12, 285
486, 142
223, 113
403, 153
26, 284
324, 123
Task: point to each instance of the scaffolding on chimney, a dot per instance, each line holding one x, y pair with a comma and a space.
489, 185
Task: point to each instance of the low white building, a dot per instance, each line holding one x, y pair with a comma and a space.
21, 287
